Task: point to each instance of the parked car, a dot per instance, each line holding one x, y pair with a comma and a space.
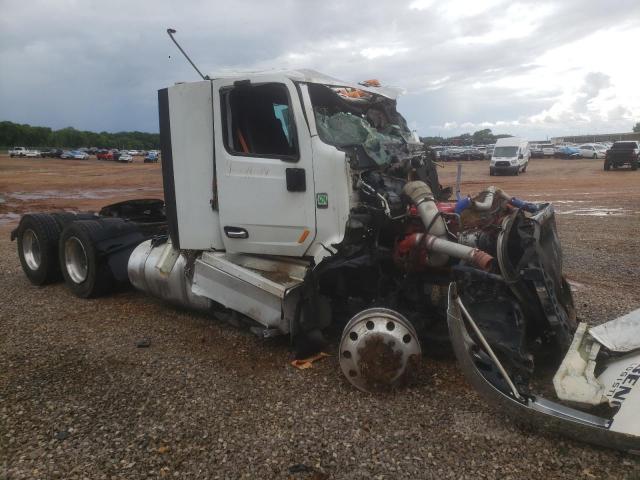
454, 154
623, 153
17, 152
125, 157
75, 154
591, 150
547, 149
437, 151
51, 153
152, 157
510, 155
489, 153
23, 152
536, 151
472, 154
567, 151
104, 155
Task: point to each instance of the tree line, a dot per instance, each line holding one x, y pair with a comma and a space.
481, 137
24, 135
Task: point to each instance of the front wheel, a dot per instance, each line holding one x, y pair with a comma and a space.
379, 350
634, 165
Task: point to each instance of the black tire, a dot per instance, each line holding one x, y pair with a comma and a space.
516, 172
525, 167
634, 164
85, 272
595, 156
607, 166
491, 172
38, 236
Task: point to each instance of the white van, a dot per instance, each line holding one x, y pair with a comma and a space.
511, 155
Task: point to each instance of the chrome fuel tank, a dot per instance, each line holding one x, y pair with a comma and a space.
162, 272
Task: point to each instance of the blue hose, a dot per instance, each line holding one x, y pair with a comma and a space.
462, 204
529, 207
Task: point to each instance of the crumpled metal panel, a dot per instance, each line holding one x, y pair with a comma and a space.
533, 409
621, 334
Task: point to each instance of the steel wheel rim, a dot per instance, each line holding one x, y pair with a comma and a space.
75, 260
389, 329
31, 249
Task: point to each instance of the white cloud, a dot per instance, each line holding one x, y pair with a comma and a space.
377, 52
521, 67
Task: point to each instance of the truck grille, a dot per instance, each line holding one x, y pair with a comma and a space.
503, 164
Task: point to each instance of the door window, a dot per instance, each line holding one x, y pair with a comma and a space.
258, 121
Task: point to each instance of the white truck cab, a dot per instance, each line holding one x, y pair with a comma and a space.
265, 149
511, 155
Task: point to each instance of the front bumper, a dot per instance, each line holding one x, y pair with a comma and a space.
527, 408
504, 168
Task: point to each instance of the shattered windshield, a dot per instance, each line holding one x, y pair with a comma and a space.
347, 117
505, 152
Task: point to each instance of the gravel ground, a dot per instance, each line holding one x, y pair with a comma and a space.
78, 399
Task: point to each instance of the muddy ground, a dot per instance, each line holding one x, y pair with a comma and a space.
205, 400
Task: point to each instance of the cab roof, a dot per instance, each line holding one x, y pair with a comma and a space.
310, 76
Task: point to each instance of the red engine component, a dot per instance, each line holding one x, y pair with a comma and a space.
410, 253
446, 207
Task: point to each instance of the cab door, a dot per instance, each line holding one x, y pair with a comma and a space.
264, 170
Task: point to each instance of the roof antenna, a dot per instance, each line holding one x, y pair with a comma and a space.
170, 32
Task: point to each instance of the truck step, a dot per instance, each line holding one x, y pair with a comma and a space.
255, 286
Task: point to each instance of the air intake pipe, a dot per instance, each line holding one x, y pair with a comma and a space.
435, 239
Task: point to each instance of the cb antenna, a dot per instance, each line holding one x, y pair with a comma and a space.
170, 32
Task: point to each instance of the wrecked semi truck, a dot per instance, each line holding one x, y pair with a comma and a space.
297, 203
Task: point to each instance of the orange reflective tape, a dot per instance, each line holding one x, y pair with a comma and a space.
304, 236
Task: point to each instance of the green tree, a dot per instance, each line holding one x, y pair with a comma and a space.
636, 127
482, 137
15, 134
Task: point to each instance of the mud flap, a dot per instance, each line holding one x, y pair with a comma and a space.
529, 409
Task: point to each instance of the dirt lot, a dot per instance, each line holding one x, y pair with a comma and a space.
79, 400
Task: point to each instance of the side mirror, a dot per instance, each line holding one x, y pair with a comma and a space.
521, 156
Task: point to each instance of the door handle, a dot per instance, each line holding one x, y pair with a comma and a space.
235, 232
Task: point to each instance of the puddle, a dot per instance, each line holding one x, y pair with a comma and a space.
78, 194
597, 212
8, 218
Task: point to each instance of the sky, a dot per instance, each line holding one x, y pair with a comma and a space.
531, 68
